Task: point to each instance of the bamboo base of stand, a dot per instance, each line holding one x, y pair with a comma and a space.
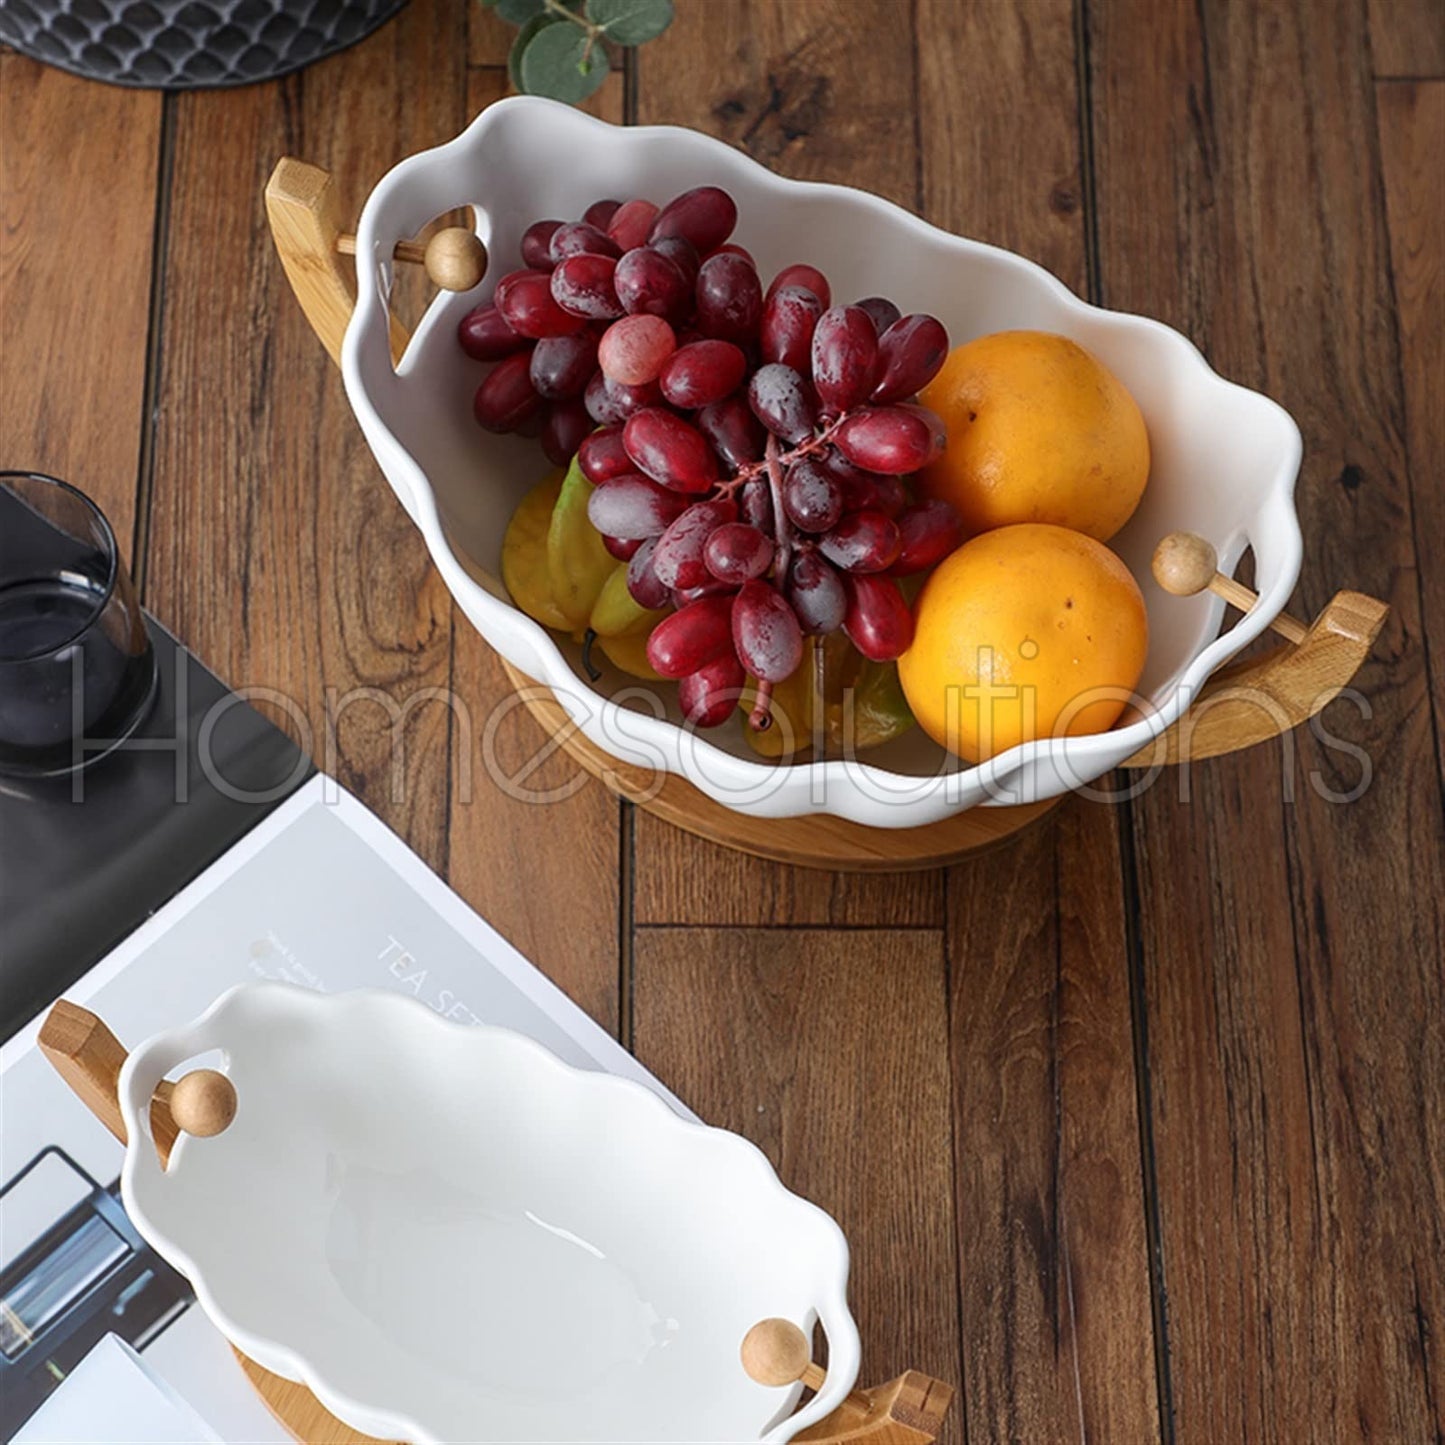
813, 841
299, 1412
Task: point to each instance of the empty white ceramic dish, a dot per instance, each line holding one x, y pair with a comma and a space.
1224, 458
450, 1235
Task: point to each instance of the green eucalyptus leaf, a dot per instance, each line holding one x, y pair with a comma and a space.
631, 22
519, 12
562, 62
524, 38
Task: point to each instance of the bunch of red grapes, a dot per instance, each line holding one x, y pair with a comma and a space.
747, 448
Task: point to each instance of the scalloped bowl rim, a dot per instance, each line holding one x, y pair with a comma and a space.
853, 789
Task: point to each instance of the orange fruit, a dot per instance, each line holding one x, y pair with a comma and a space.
1025, 632
1039, 430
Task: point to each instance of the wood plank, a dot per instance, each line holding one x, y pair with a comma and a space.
1052, 1240
280, 554
815, 89
1290, 1050
79, 164
1407, 38
999, 122
776, 80
1059, 1343
1411, 120
830, 1054
685, 879
536, 842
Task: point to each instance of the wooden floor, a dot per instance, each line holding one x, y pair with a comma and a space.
1137, 1126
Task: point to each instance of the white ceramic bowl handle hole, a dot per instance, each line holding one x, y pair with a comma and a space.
844, 1360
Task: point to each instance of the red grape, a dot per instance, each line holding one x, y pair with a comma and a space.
633, 350
729, 297
865, 489
878, 622
633, 507
733, 431
642, 582
790, 315
891, 439
624, 551
812, 498
709, 696
736, 552
600, 213
631, 223
525, 299
583, 285
537, 244
577, 238
602, 455
929, 531
883, 312
845, 357
862, 542
731, 248
692, 637
816, 593
565, 429
485, 335
506, 399
682, 596
648, 282
783, 401
563, 365
704, 372
766, 635
611, 401
910, 354
669, 450
678, 557
755, 502
682, 254
705, 216
808, 278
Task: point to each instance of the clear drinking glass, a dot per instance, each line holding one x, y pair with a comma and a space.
77, 673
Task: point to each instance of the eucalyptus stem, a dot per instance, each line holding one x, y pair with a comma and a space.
556, 7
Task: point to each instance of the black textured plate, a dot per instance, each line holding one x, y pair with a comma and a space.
187, 44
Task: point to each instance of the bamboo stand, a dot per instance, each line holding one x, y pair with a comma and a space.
1242, 705
84, 1052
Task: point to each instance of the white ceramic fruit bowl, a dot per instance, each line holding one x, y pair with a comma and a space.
1224, 458
450, 1235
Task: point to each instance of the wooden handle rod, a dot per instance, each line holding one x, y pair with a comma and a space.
1185, 564
455, 258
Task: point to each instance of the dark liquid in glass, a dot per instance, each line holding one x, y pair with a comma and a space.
76, 669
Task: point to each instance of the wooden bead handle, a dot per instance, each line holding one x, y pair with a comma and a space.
1185, 564
776, 1352
203, 1103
